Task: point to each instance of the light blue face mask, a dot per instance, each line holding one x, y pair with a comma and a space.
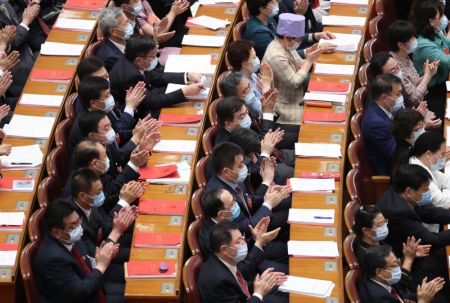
396, 275
99, 200
138, 8
417, 134
413, 46
256, 64
241, 253
249, 99
399, 103
381, 233
440, 164
235, 212
152, 65
109, 104
75, 235
128, 32
246, 122
426, 198
444, 23
242, 174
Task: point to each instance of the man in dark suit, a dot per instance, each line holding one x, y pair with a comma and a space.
141, 64
220, 279
231, 173
377, 121
60, 272
407, 205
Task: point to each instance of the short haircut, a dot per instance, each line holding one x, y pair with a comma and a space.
228, 85
247, 139
108, 19
88, 66
375, 258
224, 155
138, 46
238, 52
383, 85
426, 11
90, 88
88, 122
377, 62
82, 181
253, 6
431, 141
212, 203
221, 234
118, 3
404, 122
400, 31
409, 175
85, 152
227, 108
364, 218
56, 212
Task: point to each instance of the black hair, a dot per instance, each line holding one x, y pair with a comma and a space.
253, 6
221, 234
228, 85
119, 3
431, 141
88, 122
375, 258
227, 108
224, 155
404, 122
56, 212
377, 62
85, 152
212, 203
364, 218
88, 66
138, 46
400, 31
90, 88
238, 52
383, 85
247, 139
426, 11
82, 181
409, 175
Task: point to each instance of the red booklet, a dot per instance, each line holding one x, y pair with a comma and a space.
150, 269
329, 87
51, 75
85, 4
9, 246
324, 117
158, 172
177, 118
166, 240
162, 207
16, 184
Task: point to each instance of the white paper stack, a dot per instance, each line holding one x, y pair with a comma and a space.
184, 170
203, 40
29, 127
325, 150
203, 95
344, 21
320, 249
75, 24
22, 157
176, 146
447, 111
447, 83
190, 63
325, 97
209, 22
307, 287
311, 216
217, 2
350, 2
334, 69
8, 258
41, 100
194, 8
344, 42
61, 49
312, 185
11, 221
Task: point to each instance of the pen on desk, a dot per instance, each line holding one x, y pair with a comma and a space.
324, 218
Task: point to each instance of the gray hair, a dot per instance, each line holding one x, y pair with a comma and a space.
229, 84
108, 19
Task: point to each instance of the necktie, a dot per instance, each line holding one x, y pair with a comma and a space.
396, 295
243, 284
79, 259
241, 195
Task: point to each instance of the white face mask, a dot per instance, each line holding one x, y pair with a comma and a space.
294, 47
110, 136
413, 46
246, 122
399, 75
275, 10
256, 64
109, 104
75, 235
152, 65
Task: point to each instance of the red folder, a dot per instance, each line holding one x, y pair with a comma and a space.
324, 117
162, 207
21, 184
179, 119
158, 172
328, 87
85, 4
9, 246
319, 104
51, 75
150, 269
157, 239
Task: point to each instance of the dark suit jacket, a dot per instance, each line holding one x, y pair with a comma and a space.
109, 53
60, 278
369, 291
380, 142
217, 284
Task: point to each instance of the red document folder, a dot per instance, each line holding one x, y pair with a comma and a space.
9, 246
16, 184
150, 269
162, 207
324, 117
329, 87
85, 4
166, 240
51, 75
158, 172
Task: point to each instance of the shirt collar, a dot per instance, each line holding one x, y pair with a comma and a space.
121, 47
232, 268
233, 185
385, 286
388, 113
69, 247
86, 212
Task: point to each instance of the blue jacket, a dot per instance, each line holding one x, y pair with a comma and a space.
109, 53
260, 34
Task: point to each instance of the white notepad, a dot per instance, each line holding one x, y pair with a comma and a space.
344, 42
75, 24
344, 21
29, 127
447, 83
41, 100
203, 40
28, 156
326, 150
307, 286
448, 136
350, 2
312, 185
209, 22
321, 249
215, 2
334, 69
311, 216
190, 63
14, 218
183, 169
61, 49
203, 95
326, 97
8, 258
176, 146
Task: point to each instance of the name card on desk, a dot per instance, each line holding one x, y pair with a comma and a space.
320, 249
344, 21
311, 216
307, 286
323, 150
312, 185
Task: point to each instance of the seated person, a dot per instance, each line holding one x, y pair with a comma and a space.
407, 206
231, 173
220, 280
312, 11
60, 272
219, 206
116, 29
377, 123
141, 64
91, 66
382, 276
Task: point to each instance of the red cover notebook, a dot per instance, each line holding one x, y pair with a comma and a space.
324, 117
179, 119
162, 207
16, 184
168, 240
158, 172
328, 87
85, 4
51, 75
9, 246
150, 269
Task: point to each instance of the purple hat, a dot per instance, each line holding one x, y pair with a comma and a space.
291, 25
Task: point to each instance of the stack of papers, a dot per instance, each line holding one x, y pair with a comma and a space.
326, 150
307, 287
75, 24
11, 221
208, 22
203, 95
8, 258
327, 97
190, 63
22, 157
334, 69
29, 127
203, 40
447, 83
310, 216
41, 100
183, 170
157, 240
150, 269
312, 185
61, 49
344, 42
447, 111
350, 2
321, 249
344, 21
175, 146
